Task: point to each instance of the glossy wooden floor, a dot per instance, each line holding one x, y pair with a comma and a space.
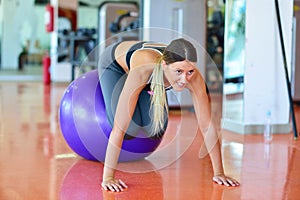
36, 163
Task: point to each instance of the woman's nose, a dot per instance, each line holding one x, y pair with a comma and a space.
183, 78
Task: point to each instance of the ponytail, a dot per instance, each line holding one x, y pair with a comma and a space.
158, 100
178, 50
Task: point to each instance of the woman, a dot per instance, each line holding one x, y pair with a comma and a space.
135, 82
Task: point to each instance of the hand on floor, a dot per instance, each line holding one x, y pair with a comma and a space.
113, 185
225, 180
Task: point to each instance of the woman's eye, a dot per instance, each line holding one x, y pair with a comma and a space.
190, 72
178, 71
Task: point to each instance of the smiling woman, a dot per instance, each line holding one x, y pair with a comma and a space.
127, 71
179, 73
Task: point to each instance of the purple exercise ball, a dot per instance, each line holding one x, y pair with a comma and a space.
85, 126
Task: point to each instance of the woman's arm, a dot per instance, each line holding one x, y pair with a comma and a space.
125, 108
202, 108
141, 67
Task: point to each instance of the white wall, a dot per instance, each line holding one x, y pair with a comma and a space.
265, 86
10, 44
21, 21
87, 17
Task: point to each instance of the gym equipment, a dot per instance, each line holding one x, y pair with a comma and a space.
116, 27
115, 17
70, 44
85, 126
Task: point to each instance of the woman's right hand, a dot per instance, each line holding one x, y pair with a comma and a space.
113, 185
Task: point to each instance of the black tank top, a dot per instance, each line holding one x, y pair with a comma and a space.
138, 46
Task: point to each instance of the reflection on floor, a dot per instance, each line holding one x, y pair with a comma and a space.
32, 72
36, 162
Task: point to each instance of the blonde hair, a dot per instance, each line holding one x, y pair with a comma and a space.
178, 50
159, 100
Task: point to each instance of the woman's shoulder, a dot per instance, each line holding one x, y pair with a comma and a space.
143, 62
144, 56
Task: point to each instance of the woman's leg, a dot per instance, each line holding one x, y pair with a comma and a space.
112, 78
146, 113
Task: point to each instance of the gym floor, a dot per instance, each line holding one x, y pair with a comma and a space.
36, 162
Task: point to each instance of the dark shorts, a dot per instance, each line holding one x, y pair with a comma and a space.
112, 78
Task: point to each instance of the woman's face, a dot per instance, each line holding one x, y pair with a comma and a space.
179, 73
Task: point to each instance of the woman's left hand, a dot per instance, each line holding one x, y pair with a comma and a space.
225, 180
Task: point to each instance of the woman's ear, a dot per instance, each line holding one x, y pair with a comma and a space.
163, 64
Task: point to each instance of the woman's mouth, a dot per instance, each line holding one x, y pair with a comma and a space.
180, 85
